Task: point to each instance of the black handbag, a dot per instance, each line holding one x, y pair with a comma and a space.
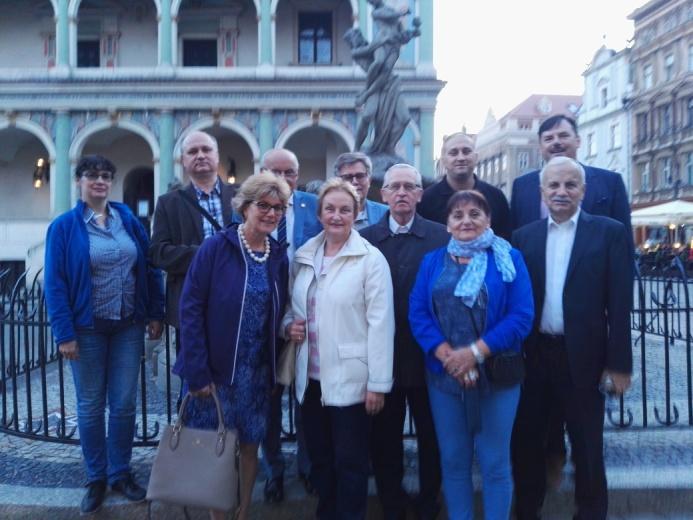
506, 368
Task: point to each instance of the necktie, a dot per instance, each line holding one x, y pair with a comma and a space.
281, 231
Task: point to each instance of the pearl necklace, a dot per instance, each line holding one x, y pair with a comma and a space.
259, 259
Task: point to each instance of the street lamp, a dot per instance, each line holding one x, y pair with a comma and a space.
40, 173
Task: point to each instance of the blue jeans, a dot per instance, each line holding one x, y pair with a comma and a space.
492, 444
108, 367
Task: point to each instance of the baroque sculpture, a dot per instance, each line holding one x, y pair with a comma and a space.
383, 107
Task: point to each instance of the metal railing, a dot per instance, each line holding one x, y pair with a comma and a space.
37, 393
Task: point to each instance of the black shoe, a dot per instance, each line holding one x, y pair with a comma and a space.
310, 489
274, 490
130, 489
93, 499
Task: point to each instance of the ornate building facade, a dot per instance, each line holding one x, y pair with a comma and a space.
661, 105
130, 78
603, 120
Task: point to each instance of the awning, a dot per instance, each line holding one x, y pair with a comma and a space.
675, 212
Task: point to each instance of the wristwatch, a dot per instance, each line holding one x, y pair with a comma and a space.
477, 354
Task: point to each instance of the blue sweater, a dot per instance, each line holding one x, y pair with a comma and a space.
67, 273
509, 313
211, 308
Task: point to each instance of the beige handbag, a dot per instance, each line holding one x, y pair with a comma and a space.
196, 467
286, 365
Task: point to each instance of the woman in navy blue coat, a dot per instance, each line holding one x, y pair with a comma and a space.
231, 306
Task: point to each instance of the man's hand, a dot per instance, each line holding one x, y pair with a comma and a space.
620, 382
69, 350
374, 402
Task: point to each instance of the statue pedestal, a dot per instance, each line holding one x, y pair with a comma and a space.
381, 163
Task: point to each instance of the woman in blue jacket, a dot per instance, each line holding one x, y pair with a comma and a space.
100, 293
231, 308
471, 300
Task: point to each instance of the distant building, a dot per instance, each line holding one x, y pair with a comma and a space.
603, 121
661, 104
130, 78
509, 146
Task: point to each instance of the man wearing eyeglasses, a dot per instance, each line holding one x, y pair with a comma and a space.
355, 168
185, 217
299, 223
404, 238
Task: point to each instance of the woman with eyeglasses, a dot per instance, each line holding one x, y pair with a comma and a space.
101, 293
231, 308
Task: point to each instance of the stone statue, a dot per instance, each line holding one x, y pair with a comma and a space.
383, 106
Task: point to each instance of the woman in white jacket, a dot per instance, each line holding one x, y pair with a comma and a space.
341, 317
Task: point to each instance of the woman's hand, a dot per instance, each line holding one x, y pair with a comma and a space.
460, 362
155, 329
205, 391
443, 351
374, 402
69, 350
468, 379
296, 330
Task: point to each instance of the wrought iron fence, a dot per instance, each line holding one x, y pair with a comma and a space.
37, 396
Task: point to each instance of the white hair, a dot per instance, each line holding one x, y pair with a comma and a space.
402, 166
562, 161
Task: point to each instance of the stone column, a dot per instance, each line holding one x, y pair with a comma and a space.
61, 178
165, 54
266, 140
166, 144
427, 166
363, 17
426, 38
265, 32
62, 35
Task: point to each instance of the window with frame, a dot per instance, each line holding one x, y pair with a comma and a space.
591, 145
604, 96
641, 123
645, 177
504, 162
615, 135
200, 52
524, 124
523, 161
689, 168
89, 53
665, 120
669, 67
647, 76
690, 57
315, 38
665, 173
689, 109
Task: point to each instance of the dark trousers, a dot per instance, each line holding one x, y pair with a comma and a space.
548, 383
387, 453
337, 441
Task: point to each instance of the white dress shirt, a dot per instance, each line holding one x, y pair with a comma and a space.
559, 246
289, 228
395, 228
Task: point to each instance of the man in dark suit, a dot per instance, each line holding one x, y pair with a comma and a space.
459, 159
605, 194
404, 238
582, 282
180, 225
299, 223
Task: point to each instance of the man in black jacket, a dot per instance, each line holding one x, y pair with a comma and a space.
459, 159
404, 238
180, 225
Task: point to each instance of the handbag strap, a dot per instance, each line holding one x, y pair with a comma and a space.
181, 412
188, 198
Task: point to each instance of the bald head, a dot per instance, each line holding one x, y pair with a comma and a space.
200, 157
281, 162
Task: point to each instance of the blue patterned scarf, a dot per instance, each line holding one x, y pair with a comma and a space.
470, 282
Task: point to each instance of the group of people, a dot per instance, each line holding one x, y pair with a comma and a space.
497, 349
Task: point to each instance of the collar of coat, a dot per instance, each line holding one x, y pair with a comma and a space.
355, 245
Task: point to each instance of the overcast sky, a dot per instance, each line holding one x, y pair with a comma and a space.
496, 53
